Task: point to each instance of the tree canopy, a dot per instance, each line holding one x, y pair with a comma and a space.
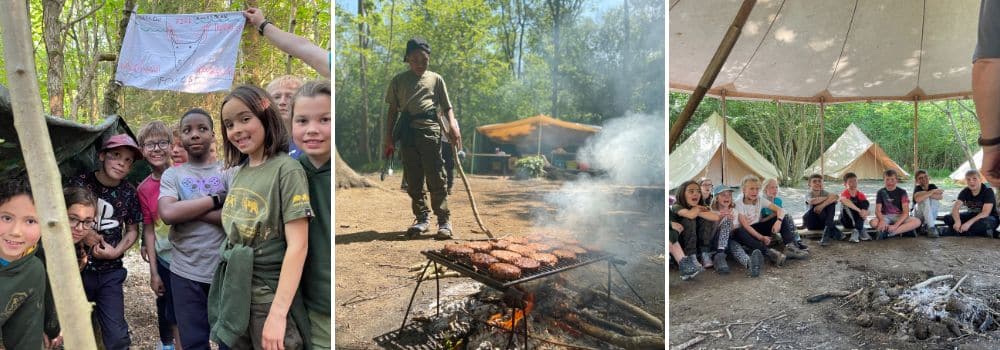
497, 59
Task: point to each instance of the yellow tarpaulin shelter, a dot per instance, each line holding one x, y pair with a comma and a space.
539, 133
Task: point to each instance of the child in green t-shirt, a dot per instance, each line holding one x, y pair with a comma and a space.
311, 131
266, 221
22, 292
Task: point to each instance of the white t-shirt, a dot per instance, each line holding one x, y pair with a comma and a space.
750, 211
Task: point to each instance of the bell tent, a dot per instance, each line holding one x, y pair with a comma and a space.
855, 152
701, 155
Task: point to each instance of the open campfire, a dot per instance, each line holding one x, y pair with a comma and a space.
919, 308
524, 299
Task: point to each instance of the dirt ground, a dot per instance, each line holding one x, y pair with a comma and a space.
140, 303
371, 252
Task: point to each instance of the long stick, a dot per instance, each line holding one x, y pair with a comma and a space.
468, 189
712, 71
36, 149
931, 280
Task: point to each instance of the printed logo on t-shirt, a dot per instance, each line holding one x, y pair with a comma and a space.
192, 186
13, 304
106, 213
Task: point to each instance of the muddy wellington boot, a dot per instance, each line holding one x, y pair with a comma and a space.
756, 263
420, 225
720, 263
776, 257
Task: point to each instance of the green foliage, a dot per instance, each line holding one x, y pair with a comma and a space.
533, 166
471, 48
98, 33
889, 124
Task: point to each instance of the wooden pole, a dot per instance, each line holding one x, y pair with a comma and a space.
36, 149
916, 114
538, 150
468, 190
472, 155
822, 136
712, 71
725, 140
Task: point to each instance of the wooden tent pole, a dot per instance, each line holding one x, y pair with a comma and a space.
40, 161
725, 140
916, 114
538, 150
472, 167
822, 136
712, 71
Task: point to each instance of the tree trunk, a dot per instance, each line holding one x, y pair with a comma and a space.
52, 31
110, 105
347, 177
43, 173
363, 43
561, 11
521, 22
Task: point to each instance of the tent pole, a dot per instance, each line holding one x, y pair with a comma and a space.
916, 113
712, 71
43, 175
472, 168
725, 140
538, 150
822, 134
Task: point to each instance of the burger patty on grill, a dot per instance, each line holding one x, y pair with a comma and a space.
518, 240
500, 244
505, 255
539, 247
480, 246
575, 249
564, 254
482, 260
521, 249
545, 258
457, 250
526, 264
504, 272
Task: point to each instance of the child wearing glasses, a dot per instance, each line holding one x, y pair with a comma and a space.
155, 139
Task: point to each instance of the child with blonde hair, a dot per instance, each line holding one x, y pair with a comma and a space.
749, 227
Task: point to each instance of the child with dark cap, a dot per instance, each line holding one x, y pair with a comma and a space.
118, 219
416, 97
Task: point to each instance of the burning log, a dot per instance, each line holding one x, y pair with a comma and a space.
638, 311
593, 317
628, 342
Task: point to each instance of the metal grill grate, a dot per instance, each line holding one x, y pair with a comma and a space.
466, 268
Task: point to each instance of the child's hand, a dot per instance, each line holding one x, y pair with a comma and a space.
966, 226
864, 213
957, 226
766, 240
144, 254
776, 227
273, 337
156, 284
105, 250
677, 226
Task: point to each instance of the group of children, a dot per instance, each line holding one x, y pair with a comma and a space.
238, 249
709, 225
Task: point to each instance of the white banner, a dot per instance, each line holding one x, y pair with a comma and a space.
193, 53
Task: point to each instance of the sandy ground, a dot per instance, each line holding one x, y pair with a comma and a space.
711, 300
372, 253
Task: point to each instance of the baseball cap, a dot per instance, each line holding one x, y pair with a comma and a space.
721, 188
122, 140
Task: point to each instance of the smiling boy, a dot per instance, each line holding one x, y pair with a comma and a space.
22, 289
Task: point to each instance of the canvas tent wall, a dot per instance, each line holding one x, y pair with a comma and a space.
832, 51
701, 156
959, 174
74, 145
855, 152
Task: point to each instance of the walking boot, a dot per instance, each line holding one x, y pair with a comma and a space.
791, 251
444, 229
739, 254
720, 263
420, 225
776, 257
856, 236
689, 267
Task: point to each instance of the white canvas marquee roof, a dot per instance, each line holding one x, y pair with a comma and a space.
841, 51
701, 155
959, 174
855, 152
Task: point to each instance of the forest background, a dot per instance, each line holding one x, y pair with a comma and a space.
77, 43
945, 130
583, 61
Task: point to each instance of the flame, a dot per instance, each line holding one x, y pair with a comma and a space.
497, 318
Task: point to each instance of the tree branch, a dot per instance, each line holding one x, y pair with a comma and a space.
85, 15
